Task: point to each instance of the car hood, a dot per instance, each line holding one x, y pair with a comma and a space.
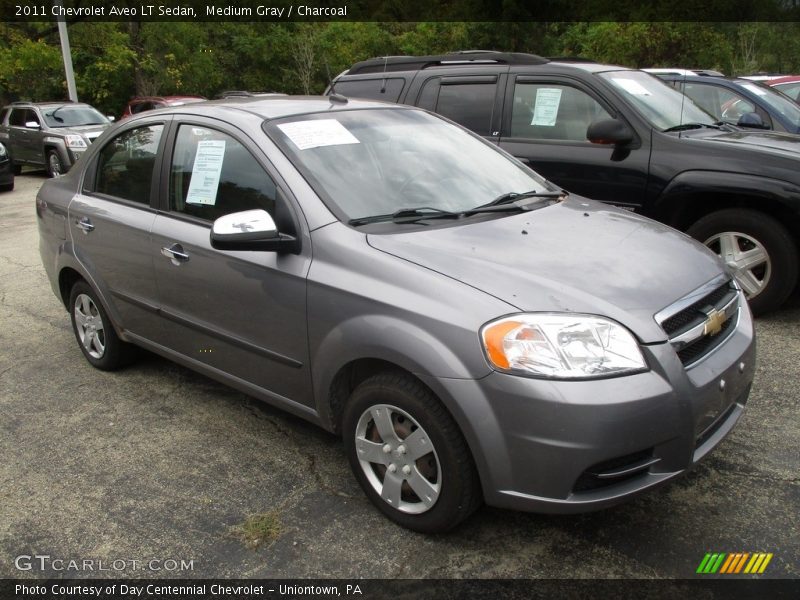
89, 131
774, 142
576, 256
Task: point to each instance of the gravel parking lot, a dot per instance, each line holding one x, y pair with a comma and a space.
156, 463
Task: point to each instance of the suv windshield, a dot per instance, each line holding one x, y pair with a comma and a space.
776, 100
378, 161
662, 106
73, 116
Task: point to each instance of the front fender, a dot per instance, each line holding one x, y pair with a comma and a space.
764, 193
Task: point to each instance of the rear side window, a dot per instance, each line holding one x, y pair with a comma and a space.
468, 104
125, 164
388, 90
553, 112
212, 175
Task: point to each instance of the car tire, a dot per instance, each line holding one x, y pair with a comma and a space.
96, 336
746, 236
55, 166
429, 480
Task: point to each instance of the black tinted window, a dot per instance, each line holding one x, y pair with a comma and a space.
125, 164
213, 175
388, 90
20, 116
469, 104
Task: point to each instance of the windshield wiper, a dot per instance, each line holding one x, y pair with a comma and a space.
406, 215
513, 198
685, 126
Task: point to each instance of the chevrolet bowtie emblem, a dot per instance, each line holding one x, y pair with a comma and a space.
714, 323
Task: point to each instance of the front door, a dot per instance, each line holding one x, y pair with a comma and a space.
544, 126
240, 312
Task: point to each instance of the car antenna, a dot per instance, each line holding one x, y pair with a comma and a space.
383, 83
333, 96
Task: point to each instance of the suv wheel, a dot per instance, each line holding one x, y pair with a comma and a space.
95, 334
55, 168
758, 248
408, 454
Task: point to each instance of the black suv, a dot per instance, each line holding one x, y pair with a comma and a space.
49, 134
624, 137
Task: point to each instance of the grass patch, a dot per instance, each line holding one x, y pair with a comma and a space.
258, 529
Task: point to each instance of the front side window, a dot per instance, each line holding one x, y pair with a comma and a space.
213, 174
724, 104
553, 112
125, 164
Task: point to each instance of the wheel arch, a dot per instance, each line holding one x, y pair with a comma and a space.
693, 195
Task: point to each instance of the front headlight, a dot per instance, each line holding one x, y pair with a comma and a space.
76, 142
3, 151
561, 346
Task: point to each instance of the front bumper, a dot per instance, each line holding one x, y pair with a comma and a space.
574, 446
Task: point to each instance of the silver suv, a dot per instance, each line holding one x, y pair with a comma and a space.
49, 134
473, 332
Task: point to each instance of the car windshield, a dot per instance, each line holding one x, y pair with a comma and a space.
73, 116
661, 105
780, 103
371, 162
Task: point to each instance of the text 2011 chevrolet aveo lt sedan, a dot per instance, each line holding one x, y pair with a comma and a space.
472, 331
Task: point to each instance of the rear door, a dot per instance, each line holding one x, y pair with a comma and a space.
544, 126
110, 222
242, 313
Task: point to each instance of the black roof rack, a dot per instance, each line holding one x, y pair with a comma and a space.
416, 63
579, 59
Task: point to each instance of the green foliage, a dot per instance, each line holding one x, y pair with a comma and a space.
115, 61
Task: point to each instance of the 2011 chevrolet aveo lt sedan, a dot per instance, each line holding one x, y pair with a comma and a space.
472, 331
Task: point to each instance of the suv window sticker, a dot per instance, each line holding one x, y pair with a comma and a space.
545, 110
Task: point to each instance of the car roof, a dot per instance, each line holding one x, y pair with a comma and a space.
47, 104
787, 79
276, 107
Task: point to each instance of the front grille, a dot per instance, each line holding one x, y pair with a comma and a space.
705, 344
690, 323
689, 316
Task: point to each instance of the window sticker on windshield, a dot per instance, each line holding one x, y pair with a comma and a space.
755, 89
631, 86
205, 172
321, 132
545, 110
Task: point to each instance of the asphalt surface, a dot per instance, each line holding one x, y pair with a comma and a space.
157, 462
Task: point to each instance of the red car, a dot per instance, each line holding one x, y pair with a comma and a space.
143, 103
789, 85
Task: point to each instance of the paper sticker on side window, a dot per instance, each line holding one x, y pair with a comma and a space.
546, 109
205, 172
320, 132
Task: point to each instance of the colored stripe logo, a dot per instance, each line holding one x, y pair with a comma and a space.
734, 562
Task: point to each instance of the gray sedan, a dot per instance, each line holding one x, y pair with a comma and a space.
475, 333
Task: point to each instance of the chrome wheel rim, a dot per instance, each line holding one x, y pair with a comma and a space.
55, 165
89, 325
398, 459
747, 257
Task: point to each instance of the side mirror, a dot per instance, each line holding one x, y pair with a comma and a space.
32, 125
250, 230
111, 118
751, 120
609, 131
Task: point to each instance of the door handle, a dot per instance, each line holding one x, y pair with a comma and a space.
85, 225
175, 253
